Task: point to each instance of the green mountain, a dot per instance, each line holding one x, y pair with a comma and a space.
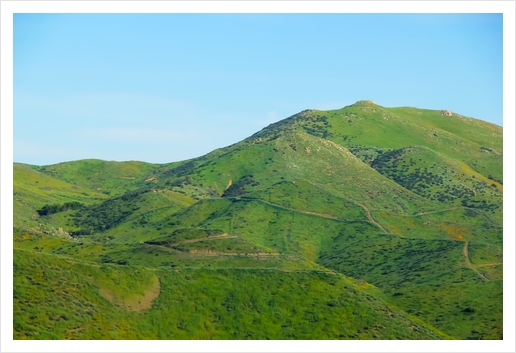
359, 223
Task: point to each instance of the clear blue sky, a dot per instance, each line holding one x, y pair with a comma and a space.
167, 87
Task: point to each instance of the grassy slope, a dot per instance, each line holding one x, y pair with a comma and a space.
33, 189
358, 249
195, 304
108, 177
134, 207
408, 200
475, 145
256, 165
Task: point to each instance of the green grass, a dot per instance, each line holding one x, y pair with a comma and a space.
196, 304
305, 197
32, 190
390, 261
111, 178
133, 206
470, 309
186, 234
230, 246
454, 224
359, 223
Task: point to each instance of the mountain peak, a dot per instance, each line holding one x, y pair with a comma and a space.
365, 102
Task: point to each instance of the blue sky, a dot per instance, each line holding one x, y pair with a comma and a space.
167, 87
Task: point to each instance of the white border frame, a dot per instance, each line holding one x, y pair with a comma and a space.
8, 8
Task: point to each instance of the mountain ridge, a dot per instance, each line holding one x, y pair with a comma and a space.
400, 204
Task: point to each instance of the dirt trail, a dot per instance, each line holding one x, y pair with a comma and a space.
323, 215
467, 187
456, 208
220, 253
207, 252
371, 218
430, 212
214, 237
469, 264
492, 264
288, 270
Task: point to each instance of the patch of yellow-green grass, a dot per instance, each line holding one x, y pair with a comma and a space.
131, 301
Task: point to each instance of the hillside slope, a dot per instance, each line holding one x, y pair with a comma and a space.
340, 224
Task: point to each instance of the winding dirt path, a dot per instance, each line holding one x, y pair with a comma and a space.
492, 264
371, 218
324, 215
469, 264
430, 212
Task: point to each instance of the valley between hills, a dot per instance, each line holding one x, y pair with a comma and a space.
360, 223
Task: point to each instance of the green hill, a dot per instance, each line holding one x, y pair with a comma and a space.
359, 223
107, 177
